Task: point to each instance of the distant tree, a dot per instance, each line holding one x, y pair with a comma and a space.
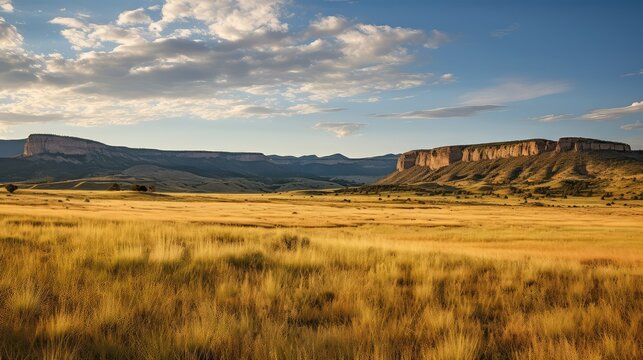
139, 188
11, 188
115, 187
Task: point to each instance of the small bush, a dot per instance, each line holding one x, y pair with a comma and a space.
11, 188
289, 242
139, 188
114, 187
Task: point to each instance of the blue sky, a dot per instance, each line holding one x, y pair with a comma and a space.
301, 77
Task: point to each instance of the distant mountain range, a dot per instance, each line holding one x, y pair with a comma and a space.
59, 162
49, 161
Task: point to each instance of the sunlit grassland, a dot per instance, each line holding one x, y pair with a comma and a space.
281, 276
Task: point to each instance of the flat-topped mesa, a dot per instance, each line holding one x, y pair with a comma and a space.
584, 144
64, 145
440, 157
53, 145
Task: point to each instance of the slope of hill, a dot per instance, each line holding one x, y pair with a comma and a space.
67, 162
11, 148
536, 163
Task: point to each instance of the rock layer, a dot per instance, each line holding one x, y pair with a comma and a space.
444, 156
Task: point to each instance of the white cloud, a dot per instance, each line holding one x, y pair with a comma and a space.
231, 20
329, 25
305, 109
375, 44
614, 113
6, 6
436, 39
340, 129
552, 117
371, 100
637, 73
71, 23
82, 35
636, 126
9, 36
447, 78
445, 112
513, 90
134, 17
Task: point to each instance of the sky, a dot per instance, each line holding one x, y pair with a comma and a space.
296, 77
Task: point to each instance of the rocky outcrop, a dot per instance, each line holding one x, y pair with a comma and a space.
507, 150
444, 156
432, 159
583, 144
60, 145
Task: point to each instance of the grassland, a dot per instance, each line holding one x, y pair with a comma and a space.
298, 276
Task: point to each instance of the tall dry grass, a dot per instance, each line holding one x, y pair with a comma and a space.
82, 288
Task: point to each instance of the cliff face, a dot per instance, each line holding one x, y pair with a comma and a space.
47, 145
507, 150
432, 159
443, 156
582, 144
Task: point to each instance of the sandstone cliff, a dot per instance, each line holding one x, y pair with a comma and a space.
49, 145
440, 157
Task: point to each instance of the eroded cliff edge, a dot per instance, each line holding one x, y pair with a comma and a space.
446, 155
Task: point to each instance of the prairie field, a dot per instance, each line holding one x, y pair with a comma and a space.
107, 275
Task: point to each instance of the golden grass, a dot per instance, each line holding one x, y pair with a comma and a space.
240, 277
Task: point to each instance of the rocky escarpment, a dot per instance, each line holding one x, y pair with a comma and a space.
62, 145
57, 146
440, 157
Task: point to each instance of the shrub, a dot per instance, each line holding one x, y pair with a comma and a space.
114, 187
11, 188
139, 188
291, 242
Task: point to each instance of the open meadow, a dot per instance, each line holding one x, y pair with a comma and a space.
318, 275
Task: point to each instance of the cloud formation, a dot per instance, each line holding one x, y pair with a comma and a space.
512, 91
636, 73
134, 17
6, 6
445, 112
340, 129
636, 126
487, 99
614, 113
553, 117
230, 20
208, 59
9, 36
